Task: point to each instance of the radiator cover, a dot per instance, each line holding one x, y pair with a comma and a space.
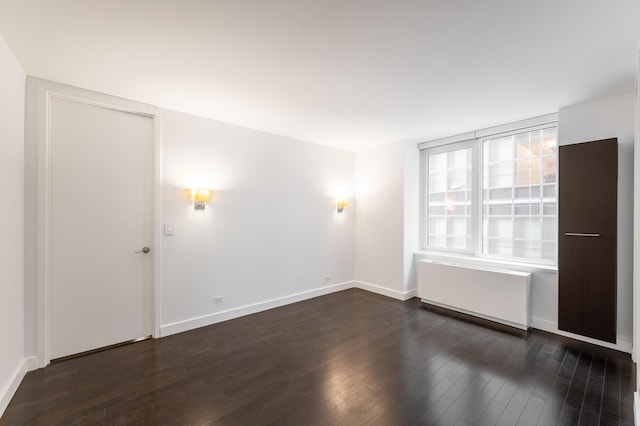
495, 294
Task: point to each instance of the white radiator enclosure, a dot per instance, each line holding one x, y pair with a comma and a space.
494, 294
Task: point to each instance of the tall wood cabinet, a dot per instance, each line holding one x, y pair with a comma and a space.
587, 240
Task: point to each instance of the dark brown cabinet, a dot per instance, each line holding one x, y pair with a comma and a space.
587, 240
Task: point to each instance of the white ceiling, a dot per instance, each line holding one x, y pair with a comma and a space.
345, 73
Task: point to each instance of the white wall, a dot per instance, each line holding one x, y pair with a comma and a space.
270, 232
601, 119
636, 233
270, 236
379, 262
411, 215
12, 359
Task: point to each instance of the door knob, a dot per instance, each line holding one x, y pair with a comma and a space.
144, 250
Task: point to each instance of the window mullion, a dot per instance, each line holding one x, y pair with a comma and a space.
476, 198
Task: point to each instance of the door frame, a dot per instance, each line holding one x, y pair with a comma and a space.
44, 92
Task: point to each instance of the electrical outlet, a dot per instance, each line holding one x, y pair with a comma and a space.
327, 278
218, 299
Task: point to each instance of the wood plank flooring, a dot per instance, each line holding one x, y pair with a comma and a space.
351, 358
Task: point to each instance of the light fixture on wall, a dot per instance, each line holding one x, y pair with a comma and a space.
201, 196
341, 203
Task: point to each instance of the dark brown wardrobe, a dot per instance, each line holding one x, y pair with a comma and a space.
587, 243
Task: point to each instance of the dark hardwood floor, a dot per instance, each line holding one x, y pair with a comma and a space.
352, 358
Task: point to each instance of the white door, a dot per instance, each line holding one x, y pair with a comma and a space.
101, 182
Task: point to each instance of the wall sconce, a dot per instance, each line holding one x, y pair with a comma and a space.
201, 196
341, 203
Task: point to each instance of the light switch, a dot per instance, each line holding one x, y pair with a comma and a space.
169, 228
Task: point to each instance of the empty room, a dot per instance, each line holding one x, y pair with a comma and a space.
358, 212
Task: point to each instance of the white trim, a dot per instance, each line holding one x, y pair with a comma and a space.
636, 217
476, 314
464, 137
478, 268
492, 131
216, 317
32, 363
45, 91
518, 125
636, 408
9, 389
624, 343
394, 294
489, 262
157, 220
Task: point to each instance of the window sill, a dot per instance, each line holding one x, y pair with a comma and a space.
485, 262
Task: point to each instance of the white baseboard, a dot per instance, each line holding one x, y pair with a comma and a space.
624, 343
395, 294
32, 363
9, 389
216, 317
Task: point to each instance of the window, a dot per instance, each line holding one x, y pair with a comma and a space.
450, 207
492, 195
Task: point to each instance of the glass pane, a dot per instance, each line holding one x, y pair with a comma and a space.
457, 242
457, 179
499, 246
457, 196
550, 229
449, 199
438, 162
524, 192
535, 143
535, 192
527, 228
549, 251
534, 168
438, 181
455, 210
437, 210
501, 175
458, 159
457, 226
436, 197
500, 149
522, 172
522, 146
535, 210
515, 167
500, 194
500, 210
436, 240
521, 209
549, 209
500, 227
549, 164
549, 143
528, 249
438, 225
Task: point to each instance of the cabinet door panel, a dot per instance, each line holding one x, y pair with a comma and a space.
587, 243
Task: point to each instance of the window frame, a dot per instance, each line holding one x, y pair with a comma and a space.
424, 199
475, 141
